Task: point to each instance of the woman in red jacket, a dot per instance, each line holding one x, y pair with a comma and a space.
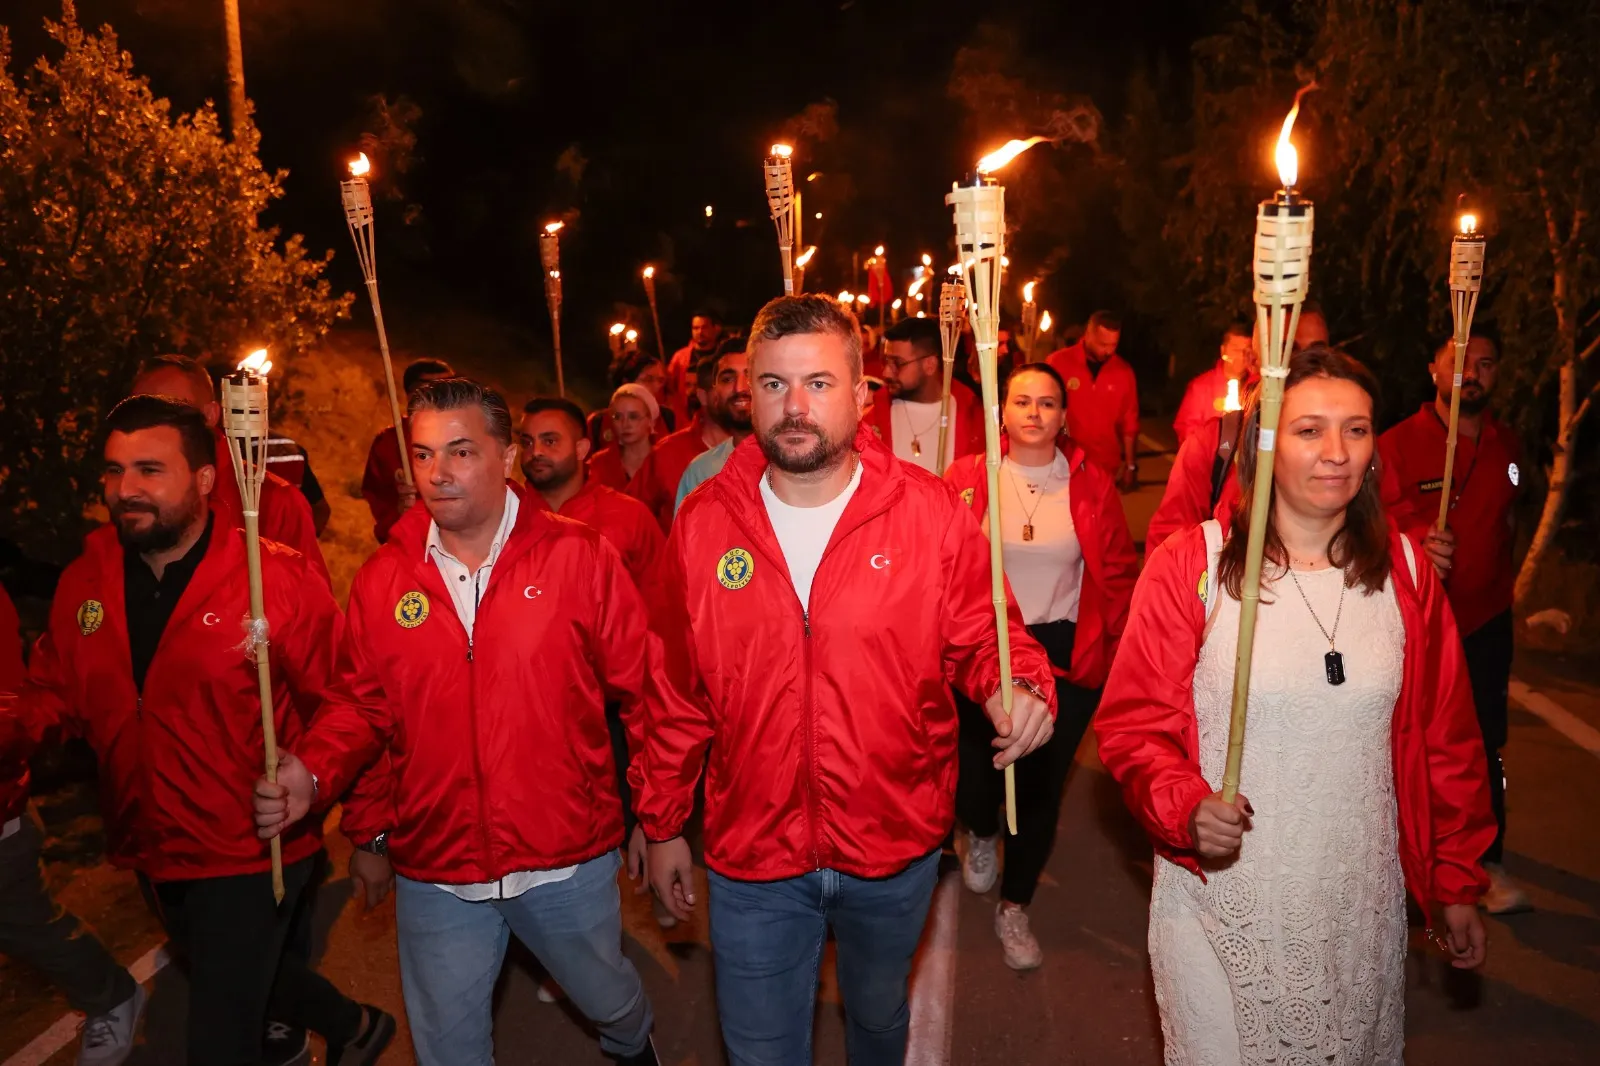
1071, 565
1278, 922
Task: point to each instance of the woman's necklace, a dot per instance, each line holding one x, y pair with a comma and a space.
916, 434
1332, 662
1027, 522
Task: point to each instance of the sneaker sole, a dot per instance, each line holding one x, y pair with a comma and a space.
382, 1032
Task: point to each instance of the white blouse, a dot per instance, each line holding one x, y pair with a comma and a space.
1046, 570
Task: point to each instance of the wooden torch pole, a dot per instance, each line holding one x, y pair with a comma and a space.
1466, 280
356, 195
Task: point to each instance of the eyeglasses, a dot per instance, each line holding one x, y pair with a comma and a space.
894, 365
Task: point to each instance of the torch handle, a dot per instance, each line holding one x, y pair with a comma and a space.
388, 378
989, 372
786, 253
655, 319
555, 334
269, 731
1454, 430
944, 411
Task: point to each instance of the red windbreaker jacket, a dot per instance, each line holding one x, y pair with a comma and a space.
832, 733
285, 514
965, 406
1110, 564
1149, 740
179, 759
13, 772
501, 756
1187, 499
656, 483
621, 519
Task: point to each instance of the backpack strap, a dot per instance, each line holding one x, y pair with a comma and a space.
1222, 460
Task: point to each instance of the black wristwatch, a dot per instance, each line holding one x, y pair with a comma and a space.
378, 845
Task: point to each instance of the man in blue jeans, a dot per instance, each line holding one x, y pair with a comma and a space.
810, 602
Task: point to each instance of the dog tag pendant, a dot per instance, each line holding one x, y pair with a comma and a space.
916, 446
1027, 531
1333, 662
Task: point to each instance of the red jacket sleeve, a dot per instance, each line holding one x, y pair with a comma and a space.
646, 487
645, 543
1120, 560
618, 636
379, 490
1399, 507
286, 518
12, 669
42, 711
677, 725
971, 644
971, 438
1192, 412
1146, 725
1187, 499
1128, 423
355, 723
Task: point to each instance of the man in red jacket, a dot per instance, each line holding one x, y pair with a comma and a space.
1207, 395
724, 385
1202, 483
383, 485
507, 818
908, 418
1102, 398
705, 333
285, 514
1472, 553
143, 658
811, 601
33, 928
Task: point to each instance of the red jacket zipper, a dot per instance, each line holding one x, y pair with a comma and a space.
812, 813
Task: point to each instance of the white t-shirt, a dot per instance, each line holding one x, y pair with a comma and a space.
1046, 573
915, 426
804, 532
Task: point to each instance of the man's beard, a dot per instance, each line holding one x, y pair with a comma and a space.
1473, 404
824, 454
727, 417
550, 475
164, 532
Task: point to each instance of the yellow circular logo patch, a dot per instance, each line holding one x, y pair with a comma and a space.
1203, 588
1072, 384
412, 610
90, 614
1220, 403
736, 569
967, 496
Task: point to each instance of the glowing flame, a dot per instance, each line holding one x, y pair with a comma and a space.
1469, 224
819, 216
709, 211
782, 151
617, 328
863, 299
631, 336
997, 159
915, 290
650, 272
256, 363
847, 297
1287, 158
927, 260
953, 268
554, 227
1045, 322
878, 250
1232, 402
805, 257
1027, 292
898, 303
556, 274
1005, 261
360, 166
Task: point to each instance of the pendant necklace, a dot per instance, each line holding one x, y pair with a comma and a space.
1333, 662
1027, 521
916, 434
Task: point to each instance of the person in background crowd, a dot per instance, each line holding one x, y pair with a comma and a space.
34, 929
1206, 397
141, 658
383, 486
1071, 565
1473, 552
634, 412
1278, 918
1202, 484
285, 513
913, 372
708, 464
1102, 398
1312, 327
508, 714
649, 373
705, 333
723, 382
830, 734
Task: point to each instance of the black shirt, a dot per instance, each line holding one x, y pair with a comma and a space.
149, 602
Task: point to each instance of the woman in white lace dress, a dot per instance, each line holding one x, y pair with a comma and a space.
1278, 922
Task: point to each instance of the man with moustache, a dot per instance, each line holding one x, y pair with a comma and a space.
913, 375
1206, 398
143, 658
737, 418
1472, 553
705, 333
724, 387
810, 604
484, 639
1102, 398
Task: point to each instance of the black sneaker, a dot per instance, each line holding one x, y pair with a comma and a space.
377, 1029
285, 1045
647, 1057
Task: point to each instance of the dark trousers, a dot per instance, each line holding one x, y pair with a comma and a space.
1041, 775
36, 931
1489, 649
245, 956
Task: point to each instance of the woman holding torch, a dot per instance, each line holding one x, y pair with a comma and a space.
1278, 921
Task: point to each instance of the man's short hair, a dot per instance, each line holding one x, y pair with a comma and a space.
452, 394
705, 371
424, 368
190, 368
790, 316
540, 404
1477, 334
1239, 328
708, 314
923, 334
1106, 320
149, 412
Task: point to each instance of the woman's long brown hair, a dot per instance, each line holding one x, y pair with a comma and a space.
1361, 546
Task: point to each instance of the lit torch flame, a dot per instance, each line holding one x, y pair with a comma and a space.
553, 228
898, 303
847, 297
863, 299
1045, 322
878, 250
1232, 402
650, 272
360, 166
256, 363
631, 336
1469, 224
916, 287
1287, 158
927, 260
805, 257
782, 151
617, 328
1027, 292
997, 159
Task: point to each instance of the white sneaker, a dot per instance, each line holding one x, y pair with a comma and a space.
549, 991
1505, 896
1021, 947
108, 1038
980, 865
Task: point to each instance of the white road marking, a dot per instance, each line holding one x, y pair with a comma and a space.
65, 1031
1557, 717
933, 982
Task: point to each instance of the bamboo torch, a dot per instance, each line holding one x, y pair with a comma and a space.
244, 415
356, 195
1466, 279
1282, 276
802, 261
980, 220
952, 317
550, 258
655, 317
780, 198
615, 340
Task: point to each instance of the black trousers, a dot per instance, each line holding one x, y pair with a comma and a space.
1041, 775
1489, 649
36, 931
244, 956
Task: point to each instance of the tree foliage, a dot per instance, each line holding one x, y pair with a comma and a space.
125, 231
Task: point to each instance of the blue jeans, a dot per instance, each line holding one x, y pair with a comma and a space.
767, 939
451, 951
